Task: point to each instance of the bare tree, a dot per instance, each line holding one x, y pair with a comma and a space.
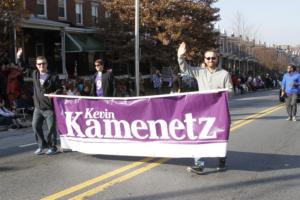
11, 12
240, 27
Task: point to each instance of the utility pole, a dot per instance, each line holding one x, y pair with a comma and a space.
137, 47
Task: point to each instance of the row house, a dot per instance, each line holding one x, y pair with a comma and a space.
237, 54
293, 53
65, 32
243, 56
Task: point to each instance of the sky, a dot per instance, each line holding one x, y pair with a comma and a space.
273, 21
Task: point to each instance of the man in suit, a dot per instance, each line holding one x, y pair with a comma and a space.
102, 81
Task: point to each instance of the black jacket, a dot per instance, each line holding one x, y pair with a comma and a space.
107, 84
51, 85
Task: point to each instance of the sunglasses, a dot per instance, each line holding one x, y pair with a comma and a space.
210, 58
41, 63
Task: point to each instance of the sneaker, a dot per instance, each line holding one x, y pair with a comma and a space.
289, 119
196, 169
294, 119
221, 167
52, 151
39, 151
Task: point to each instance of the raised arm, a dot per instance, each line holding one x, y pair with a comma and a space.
180, 55
184, 67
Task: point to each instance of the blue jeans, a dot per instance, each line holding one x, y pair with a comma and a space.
39, 116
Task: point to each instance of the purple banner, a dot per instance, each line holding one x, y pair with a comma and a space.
183, 120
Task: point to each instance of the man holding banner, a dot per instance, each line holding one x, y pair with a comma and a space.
149, 126
208, 77
44, 82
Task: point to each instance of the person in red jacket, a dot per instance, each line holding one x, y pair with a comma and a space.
14, 83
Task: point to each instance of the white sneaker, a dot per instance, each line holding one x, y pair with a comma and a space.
196, 169
294, 119
288, 119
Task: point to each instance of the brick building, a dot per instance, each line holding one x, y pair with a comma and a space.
64, 31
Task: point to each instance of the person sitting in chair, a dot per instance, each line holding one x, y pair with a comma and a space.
7, 117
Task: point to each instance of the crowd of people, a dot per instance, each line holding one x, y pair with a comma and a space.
243, 84
16, 93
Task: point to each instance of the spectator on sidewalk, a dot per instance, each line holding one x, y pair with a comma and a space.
142, 85
7, 117
157, 81
24, 102
176, 83
20, 61
235, 83
3, 83
14, 83
86, 91
79, 85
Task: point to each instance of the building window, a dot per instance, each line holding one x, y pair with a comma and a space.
39, 49
79, 14
95, 14
107, 14
62, 9
41, 6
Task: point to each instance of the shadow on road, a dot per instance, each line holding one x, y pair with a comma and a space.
241, 161
248, 161
283, 179
262, 118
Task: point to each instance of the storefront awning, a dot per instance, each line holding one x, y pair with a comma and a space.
82, 43
38, 23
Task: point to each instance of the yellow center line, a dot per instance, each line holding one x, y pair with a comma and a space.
119, 180
138, 171
254, 117
256, 114
96, 180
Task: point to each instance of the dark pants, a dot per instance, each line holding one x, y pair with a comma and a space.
39, 116
157, 90
200, 161
291, 105
6, 120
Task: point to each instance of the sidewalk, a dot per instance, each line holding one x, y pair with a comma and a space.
4, 132
26, 125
